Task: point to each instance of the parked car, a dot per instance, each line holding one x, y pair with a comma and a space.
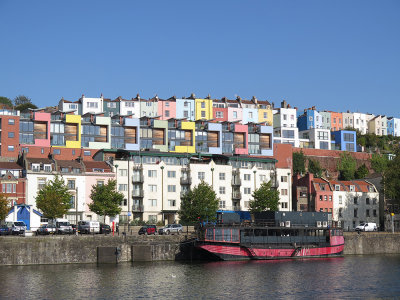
104, 228
171, 228
5, 230
367, 227
46, 229
148, 229
18, 227
88, 227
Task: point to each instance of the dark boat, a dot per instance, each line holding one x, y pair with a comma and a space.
274, 235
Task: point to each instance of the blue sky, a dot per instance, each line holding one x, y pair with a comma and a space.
336, 55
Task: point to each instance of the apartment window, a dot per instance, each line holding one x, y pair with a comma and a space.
47, 168
320, 197
203, 105
222, 190
11, 121
284, 192
167, 113
86, 153
374, 213
374, 201
337, 188
171, 202
9, 188
355, 200
247, 177
92, 105
283, 178
152, 173
71, 184
171, 188
263, 178
11, 134
186, 104
221, 204
152, 188
284, 205
203, 114
10, 148
367, 201
330, 198
167, 104
219, 114
152, 202
247, 191
250, 115
123, 187
265, 115
25, 149
123, 172
64, 170
201, 175
41, 183
72, 201
100, 182
284, 117
340, 213
325, 198
42, 150
171, 174
352, 188
367, 213
235, 115
185, 114
152, 218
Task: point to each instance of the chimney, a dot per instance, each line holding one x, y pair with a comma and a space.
101, 96
208, 96
283, 104
192, 96
295, 108
313, 108
254, 99
273, 105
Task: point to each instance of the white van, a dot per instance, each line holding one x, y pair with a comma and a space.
62, 226
367, 227
88, 227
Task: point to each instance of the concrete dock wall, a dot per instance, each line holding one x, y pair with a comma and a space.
85, 249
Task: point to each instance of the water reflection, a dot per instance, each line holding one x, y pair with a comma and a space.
349, 277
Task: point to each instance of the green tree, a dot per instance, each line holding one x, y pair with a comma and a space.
199, 204
315, 168
6, 101
390, 176
21, 99
25, 106
361, 172
54, 199
299, 163
106, 199
379, 163
5, 207
347, 167
265, 198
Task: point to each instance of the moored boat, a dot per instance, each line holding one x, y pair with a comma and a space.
274, 235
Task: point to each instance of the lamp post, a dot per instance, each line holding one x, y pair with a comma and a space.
76, 209
212, 177
162, 194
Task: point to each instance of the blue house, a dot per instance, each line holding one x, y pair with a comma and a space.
345, 140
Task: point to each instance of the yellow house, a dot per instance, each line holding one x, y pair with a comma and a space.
190, 137
265, 115
72, 131
204, 109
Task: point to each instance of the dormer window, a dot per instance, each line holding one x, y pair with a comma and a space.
64, 170
47, 168
337, 187
98, 170
35, 167
352, 188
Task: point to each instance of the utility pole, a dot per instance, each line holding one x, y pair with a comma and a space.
76, 209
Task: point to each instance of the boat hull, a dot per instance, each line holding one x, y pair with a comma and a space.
237, 252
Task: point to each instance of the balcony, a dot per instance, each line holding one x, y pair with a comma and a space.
236, 195
137, 178
137, 208
183, 193
236, 181
186, 180
137, 193
234, 208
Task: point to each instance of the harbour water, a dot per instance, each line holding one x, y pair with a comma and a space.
362, 277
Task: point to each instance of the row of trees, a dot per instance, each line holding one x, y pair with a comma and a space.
20, 102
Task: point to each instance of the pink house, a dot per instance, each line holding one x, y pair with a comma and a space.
167, 108
241, 139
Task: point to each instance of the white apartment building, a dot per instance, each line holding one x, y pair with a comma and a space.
285, 126
91, 105
317, 138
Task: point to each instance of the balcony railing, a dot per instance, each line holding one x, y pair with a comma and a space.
137, 193
186, 180
137, 178
137, 208
236, 195
236, 181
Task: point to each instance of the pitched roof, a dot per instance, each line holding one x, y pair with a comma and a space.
10, 165
90, 165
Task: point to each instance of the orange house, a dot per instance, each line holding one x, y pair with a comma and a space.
336, 121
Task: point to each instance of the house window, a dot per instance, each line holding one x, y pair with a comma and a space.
201, 175
337, 187
64, 170
86, 153
247, 177
367, 201
11, 121
152, 202
71, 184
203, 114
152, 173
284, 192
123, 188
374, 201
11, 134
167, 113
247, 191
57, 151
172, 202
10, 148
222, 190
374, 213
171, 174
171, 188
41, 183
283, 178
325, 198
352, 188
284, 205
355, 200
235, 115
123, 172
265, 115
72, 201
221, 176
263, 178
152, 188
355, 212
100, 182
185, 114
330, 198
221, 204
367, 212
340, 212
250, 115
320, 197
203, 105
